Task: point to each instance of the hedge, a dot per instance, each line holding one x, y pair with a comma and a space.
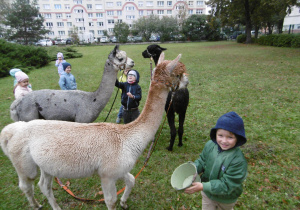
280, 40
21, 56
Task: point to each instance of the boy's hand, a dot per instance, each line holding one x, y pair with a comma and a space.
130, 95
196, 187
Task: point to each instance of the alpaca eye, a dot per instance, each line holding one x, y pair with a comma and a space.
120, 59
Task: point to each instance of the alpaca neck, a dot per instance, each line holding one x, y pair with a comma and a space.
106, 87
150, 119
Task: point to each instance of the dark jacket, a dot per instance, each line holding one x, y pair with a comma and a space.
223, 172
134, 89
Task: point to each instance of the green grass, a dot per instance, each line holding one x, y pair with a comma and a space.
260, 83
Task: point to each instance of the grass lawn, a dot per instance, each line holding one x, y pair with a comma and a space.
260, 83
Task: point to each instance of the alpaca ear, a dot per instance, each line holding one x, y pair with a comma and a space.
115, 50
173, 63
161, 58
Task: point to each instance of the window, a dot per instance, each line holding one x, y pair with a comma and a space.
47, 15
51, 33
57, 6
69, 24
120, 20
77, 2
149, 12
60, 24
169, 3
91, 24
141, 3
79, 20
58, 15
191, 3
68, 15
160, 12
99, 15
100, 24
100, 32
78, 10
90, 15
169, 12
61, 33
67, 6
49, 24
190, 11
82, 28
199, 11
149, 3
70, 33
200, 3
160, 3
89, 6
46, 6
119, 13
109, 4
111, 30
129, 8
110, 13
130, 17
119, 3
110, 21
99, 6
141, 12
92, 31
180, 7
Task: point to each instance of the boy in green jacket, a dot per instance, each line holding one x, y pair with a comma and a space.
223, 164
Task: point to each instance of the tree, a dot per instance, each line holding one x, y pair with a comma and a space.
193, 27
146, 26
121, 31
25, 21
166, 27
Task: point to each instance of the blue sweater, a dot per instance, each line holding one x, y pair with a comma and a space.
67, 81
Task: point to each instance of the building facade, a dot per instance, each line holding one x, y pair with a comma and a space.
291, 22
95, 16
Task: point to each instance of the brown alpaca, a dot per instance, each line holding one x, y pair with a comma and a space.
75, 150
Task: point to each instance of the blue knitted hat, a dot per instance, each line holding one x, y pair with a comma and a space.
65, 65
232, 122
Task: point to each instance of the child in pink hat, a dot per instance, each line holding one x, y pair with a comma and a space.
22, 87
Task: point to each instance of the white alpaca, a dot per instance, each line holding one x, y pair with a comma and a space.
75, 150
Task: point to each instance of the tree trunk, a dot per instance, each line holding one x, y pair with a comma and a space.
248, 21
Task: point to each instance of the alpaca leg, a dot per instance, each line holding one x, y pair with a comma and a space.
180, 128
129, 181
26, 185
171, 119
45, 185
109, 191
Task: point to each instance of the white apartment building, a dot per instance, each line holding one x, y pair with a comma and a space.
95, 16
292, 21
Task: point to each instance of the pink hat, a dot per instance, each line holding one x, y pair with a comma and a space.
20, 76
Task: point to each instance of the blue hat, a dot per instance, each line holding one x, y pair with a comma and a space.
65, 65
232, 122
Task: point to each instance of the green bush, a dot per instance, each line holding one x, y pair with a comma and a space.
21, 56
241, 38
280, 40
296, 41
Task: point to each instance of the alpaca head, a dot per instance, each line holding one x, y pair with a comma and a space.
168, 73
153, 51
119, 59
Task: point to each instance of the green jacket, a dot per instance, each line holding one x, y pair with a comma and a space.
223, 172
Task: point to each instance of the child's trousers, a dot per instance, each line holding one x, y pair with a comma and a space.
208, 204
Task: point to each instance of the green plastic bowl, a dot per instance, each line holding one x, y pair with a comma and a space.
183, 176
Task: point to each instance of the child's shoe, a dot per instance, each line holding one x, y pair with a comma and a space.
118, 120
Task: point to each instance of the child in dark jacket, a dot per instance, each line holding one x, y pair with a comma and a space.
131, 96
223, 164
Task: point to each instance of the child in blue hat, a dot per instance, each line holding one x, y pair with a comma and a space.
67, 80
223, 164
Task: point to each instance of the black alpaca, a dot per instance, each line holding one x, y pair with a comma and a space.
180, 99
